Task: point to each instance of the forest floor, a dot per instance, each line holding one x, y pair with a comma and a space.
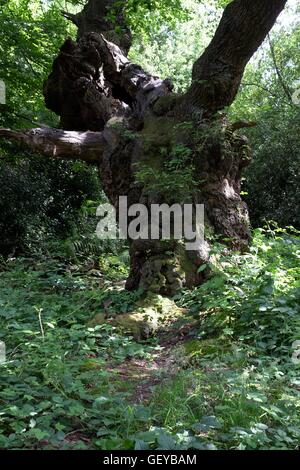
224, 376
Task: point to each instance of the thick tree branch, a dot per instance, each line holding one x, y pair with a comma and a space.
142, 89
92, 81
86, 146
218, 72
71, 17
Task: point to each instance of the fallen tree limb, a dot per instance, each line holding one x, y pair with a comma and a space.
57, 143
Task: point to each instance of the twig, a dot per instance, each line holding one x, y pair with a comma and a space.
264, 88
278, 72
41, 323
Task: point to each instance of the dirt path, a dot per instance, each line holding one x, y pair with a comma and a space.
146, 374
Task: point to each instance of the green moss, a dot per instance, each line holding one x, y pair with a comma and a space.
97, 320
209, 347
141, 325
116, 122
153, 313
157, 133
162, 275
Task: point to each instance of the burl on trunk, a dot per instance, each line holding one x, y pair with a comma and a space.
149, 143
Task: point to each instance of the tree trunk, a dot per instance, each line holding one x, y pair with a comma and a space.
143, 137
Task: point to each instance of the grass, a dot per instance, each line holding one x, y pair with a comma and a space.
233, 385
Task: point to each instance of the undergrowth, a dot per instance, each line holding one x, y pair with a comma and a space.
237, 384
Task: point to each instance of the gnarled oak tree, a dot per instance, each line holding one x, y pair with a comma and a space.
130, 124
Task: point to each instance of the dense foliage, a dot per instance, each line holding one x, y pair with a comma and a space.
38, 198
271, 188
223, 376
231, 384
41, 200
41, 197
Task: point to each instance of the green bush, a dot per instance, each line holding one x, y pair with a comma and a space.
228, 383
272, 181
40, 199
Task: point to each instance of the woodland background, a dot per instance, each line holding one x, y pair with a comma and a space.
227, 381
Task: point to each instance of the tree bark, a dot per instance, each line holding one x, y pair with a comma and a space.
217, 74
57, 143
115, 115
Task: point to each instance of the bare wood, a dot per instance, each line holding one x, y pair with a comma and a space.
86, 146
